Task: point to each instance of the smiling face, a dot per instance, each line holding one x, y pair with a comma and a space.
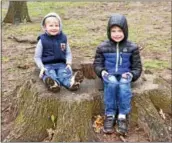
52, 26
117, 34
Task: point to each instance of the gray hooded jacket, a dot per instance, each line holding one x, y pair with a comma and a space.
118, 58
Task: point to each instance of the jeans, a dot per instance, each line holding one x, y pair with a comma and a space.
117, 95
59, 73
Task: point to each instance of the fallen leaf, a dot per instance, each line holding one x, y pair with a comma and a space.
98, 123
53, 120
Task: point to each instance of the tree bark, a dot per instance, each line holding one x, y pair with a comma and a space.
17, 12
73, 111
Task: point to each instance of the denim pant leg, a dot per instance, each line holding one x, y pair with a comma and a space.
124, 96
50, 72
110, 91
64, 76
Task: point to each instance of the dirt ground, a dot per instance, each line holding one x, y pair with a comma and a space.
17, 57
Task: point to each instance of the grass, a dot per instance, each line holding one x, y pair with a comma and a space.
155, 64
5, 59
79, 30
42, 8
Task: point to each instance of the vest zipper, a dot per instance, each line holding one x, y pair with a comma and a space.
117, 57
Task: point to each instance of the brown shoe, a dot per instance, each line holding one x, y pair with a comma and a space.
52, 85
76, 80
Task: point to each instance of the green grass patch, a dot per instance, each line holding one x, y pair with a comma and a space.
162, 45
22, 29
37, 9
136, 34
42, 8
74, 28
5, 59
155, 64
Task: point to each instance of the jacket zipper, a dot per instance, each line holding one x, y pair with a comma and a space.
120, 61
117, 57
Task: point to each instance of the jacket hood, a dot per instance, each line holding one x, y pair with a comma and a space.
118, 20
52, 14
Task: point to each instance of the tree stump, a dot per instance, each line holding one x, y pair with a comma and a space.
69, 114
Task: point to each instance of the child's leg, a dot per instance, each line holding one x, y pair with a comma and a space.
110, 91
124, 96
50, 73
124, 99
64, 75
50, 80
67, 79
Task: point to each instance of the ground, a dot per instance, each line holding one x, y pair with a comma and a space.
85, 24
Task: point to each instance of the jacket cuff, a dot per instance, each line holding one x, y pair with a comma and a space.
131, 75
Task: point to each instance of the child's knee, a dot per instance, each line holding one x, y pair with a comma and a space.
64, 73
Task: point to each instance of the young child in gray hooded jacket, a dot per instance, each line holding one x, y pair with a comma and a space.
117, 62
53, 56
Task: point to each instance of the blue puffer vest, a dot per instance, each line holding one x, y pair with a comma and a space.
54, 48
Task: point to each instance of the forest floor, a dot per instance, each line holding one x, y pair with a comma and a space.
85, 25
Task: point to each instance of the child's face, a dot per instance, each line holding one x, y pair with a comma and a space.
52, 26
117, 34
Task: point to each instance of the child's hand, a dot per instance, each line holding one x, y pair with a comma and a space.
127, 75
42, 72
69, 67
104, 73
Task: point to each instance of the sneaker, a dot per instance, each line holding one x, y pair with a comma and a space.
52, 85
122, 126
76, 80
109, 124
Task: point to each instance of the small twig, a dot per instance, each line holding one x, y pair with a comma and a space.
162, 114
5, 109
31, 47
26, 66
122, 139
164, 79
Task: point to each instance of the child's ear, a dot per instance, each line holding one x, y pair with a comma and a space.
44, 28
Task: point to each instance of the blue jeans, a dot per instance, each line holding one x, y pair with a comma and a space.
117, 95
59, 73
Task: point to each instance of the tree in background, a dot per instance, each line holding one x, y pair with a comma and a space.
17, 12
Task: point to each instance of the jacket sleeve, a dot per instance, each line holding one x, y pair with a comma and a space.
68, 55
136, 65
38, 54
98, 63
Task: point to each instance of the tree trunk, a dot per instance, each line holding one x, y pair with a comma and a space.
149, 119
70, 114
17, 12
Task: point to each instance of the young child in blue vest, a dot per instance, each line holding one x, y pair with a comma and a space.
53, 56
117, 62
